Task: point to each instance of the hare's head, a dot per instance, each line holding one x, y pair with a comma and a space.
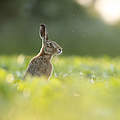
50, 47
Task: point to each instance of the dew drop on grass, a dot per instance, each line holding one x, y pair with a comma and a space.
65, 75
20, 59
92, 81
81, 73
10, 78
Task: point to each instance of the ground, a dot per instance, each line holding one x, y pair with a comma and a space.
81, 88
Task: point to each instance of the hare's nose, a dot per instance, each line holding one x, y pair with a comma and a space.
59, 51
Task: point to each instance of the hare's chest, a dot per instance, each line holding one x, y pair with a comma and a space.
45, 67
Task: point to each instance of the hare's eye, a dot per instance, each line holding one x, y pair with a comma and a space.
50, 44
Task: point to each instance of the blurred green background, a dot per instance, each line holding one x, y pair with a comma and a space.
81, 27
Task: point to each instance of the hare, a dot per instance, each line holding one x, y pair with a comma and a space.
41, 64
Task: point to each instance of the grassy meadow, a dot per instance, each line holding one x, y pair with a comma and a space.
81, 88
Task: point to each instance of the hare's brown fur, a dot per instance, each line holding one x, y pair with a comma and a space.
41, 65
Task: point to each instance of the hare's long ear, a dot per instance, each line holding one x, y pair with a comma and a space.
43, 32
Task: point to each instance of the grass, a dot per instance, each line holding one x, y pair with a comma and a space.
81, 88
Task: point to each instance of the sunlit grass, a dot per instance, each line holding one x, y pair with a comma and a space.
81, 88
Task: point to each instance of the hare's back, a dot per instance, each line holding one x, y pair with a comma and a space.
35, 67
